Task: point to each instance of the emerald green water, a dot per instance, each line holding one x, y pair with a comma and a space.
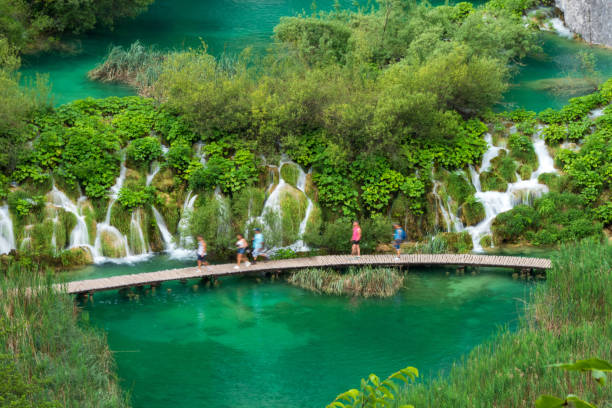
231, 25
269, 344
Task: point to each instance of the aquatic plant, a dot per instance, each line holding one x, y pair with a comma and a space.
49, 356
364, 282
566, 319
137, 65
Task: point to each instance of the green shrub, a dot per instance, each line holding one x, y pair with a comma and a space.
554, 133
554, 218
130, 198
144, 150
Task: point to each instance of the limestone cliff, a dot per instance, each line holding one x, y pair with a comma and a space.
591, 19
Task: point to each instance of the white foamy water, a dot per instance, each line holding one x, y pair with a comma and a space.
154, 170
120, 241
163, 229
560, 28
520, 192
79, 236
7, 236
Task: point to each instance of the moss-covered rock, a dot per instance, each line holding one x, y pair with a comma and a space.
290, 172
76, 257
112, 245
486, 241
525, 171
458, 187
164, 180
552, 181
505, 166
522, 150
472, 211
492, 181
247, 203
293, 205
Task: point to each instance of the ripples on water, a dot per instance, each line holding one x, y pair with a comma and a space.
272, 345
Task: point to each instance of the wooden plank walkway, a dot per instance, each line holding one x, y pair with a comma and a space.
152, 278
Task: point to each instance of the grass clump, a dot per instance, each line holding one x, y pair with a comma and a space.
137, 66
48, 358
568, 319
363, 282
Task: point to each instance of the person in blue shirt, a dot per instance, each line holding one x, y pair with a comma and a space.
258, 245
398, 237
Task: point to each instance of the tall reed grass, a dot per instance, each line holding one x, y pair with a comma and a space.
137, 66
48, 358
364, 281
569, 318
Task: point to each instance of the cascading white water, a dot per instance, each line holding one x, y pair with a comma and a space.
560, 28
163, 229
452, 222
79, 236
300, 245
120, 241
185, 247
495, 202
154, 170
7, 236
136, 232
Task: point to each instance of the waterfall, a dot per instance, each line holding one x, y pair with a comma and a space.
154, 170
120, 241
300, 245
185, 248
560, 28
452, 222
136, 232
79, 236
520, 192
163, 229
7, 237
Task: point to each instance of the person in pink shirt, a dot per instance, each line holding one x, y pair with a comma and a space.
355, 239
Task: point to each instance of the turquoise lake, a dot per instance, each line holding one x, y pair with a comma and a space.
262, 343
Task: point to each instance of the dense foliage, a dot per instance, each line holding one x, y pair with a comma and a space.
33, 25
49, 356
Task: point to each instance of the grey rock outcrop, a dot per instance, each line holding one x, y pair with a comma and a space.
592, 19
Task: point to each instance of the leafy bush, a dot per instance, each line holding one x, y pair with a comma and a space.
554, 218
131, 198
144, 150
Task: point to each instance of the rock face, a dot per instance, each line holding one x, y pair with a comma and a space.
592, 19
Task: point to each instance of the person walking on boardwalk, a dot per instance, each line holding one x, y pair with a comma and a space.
398, 237
201, 252
258, 245
241, 245
356, 239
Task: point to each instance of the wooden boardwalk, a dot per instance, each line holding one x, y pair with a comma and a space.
154, 278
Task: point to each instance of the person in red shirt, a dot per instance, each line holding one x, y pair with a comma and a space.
356, 239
